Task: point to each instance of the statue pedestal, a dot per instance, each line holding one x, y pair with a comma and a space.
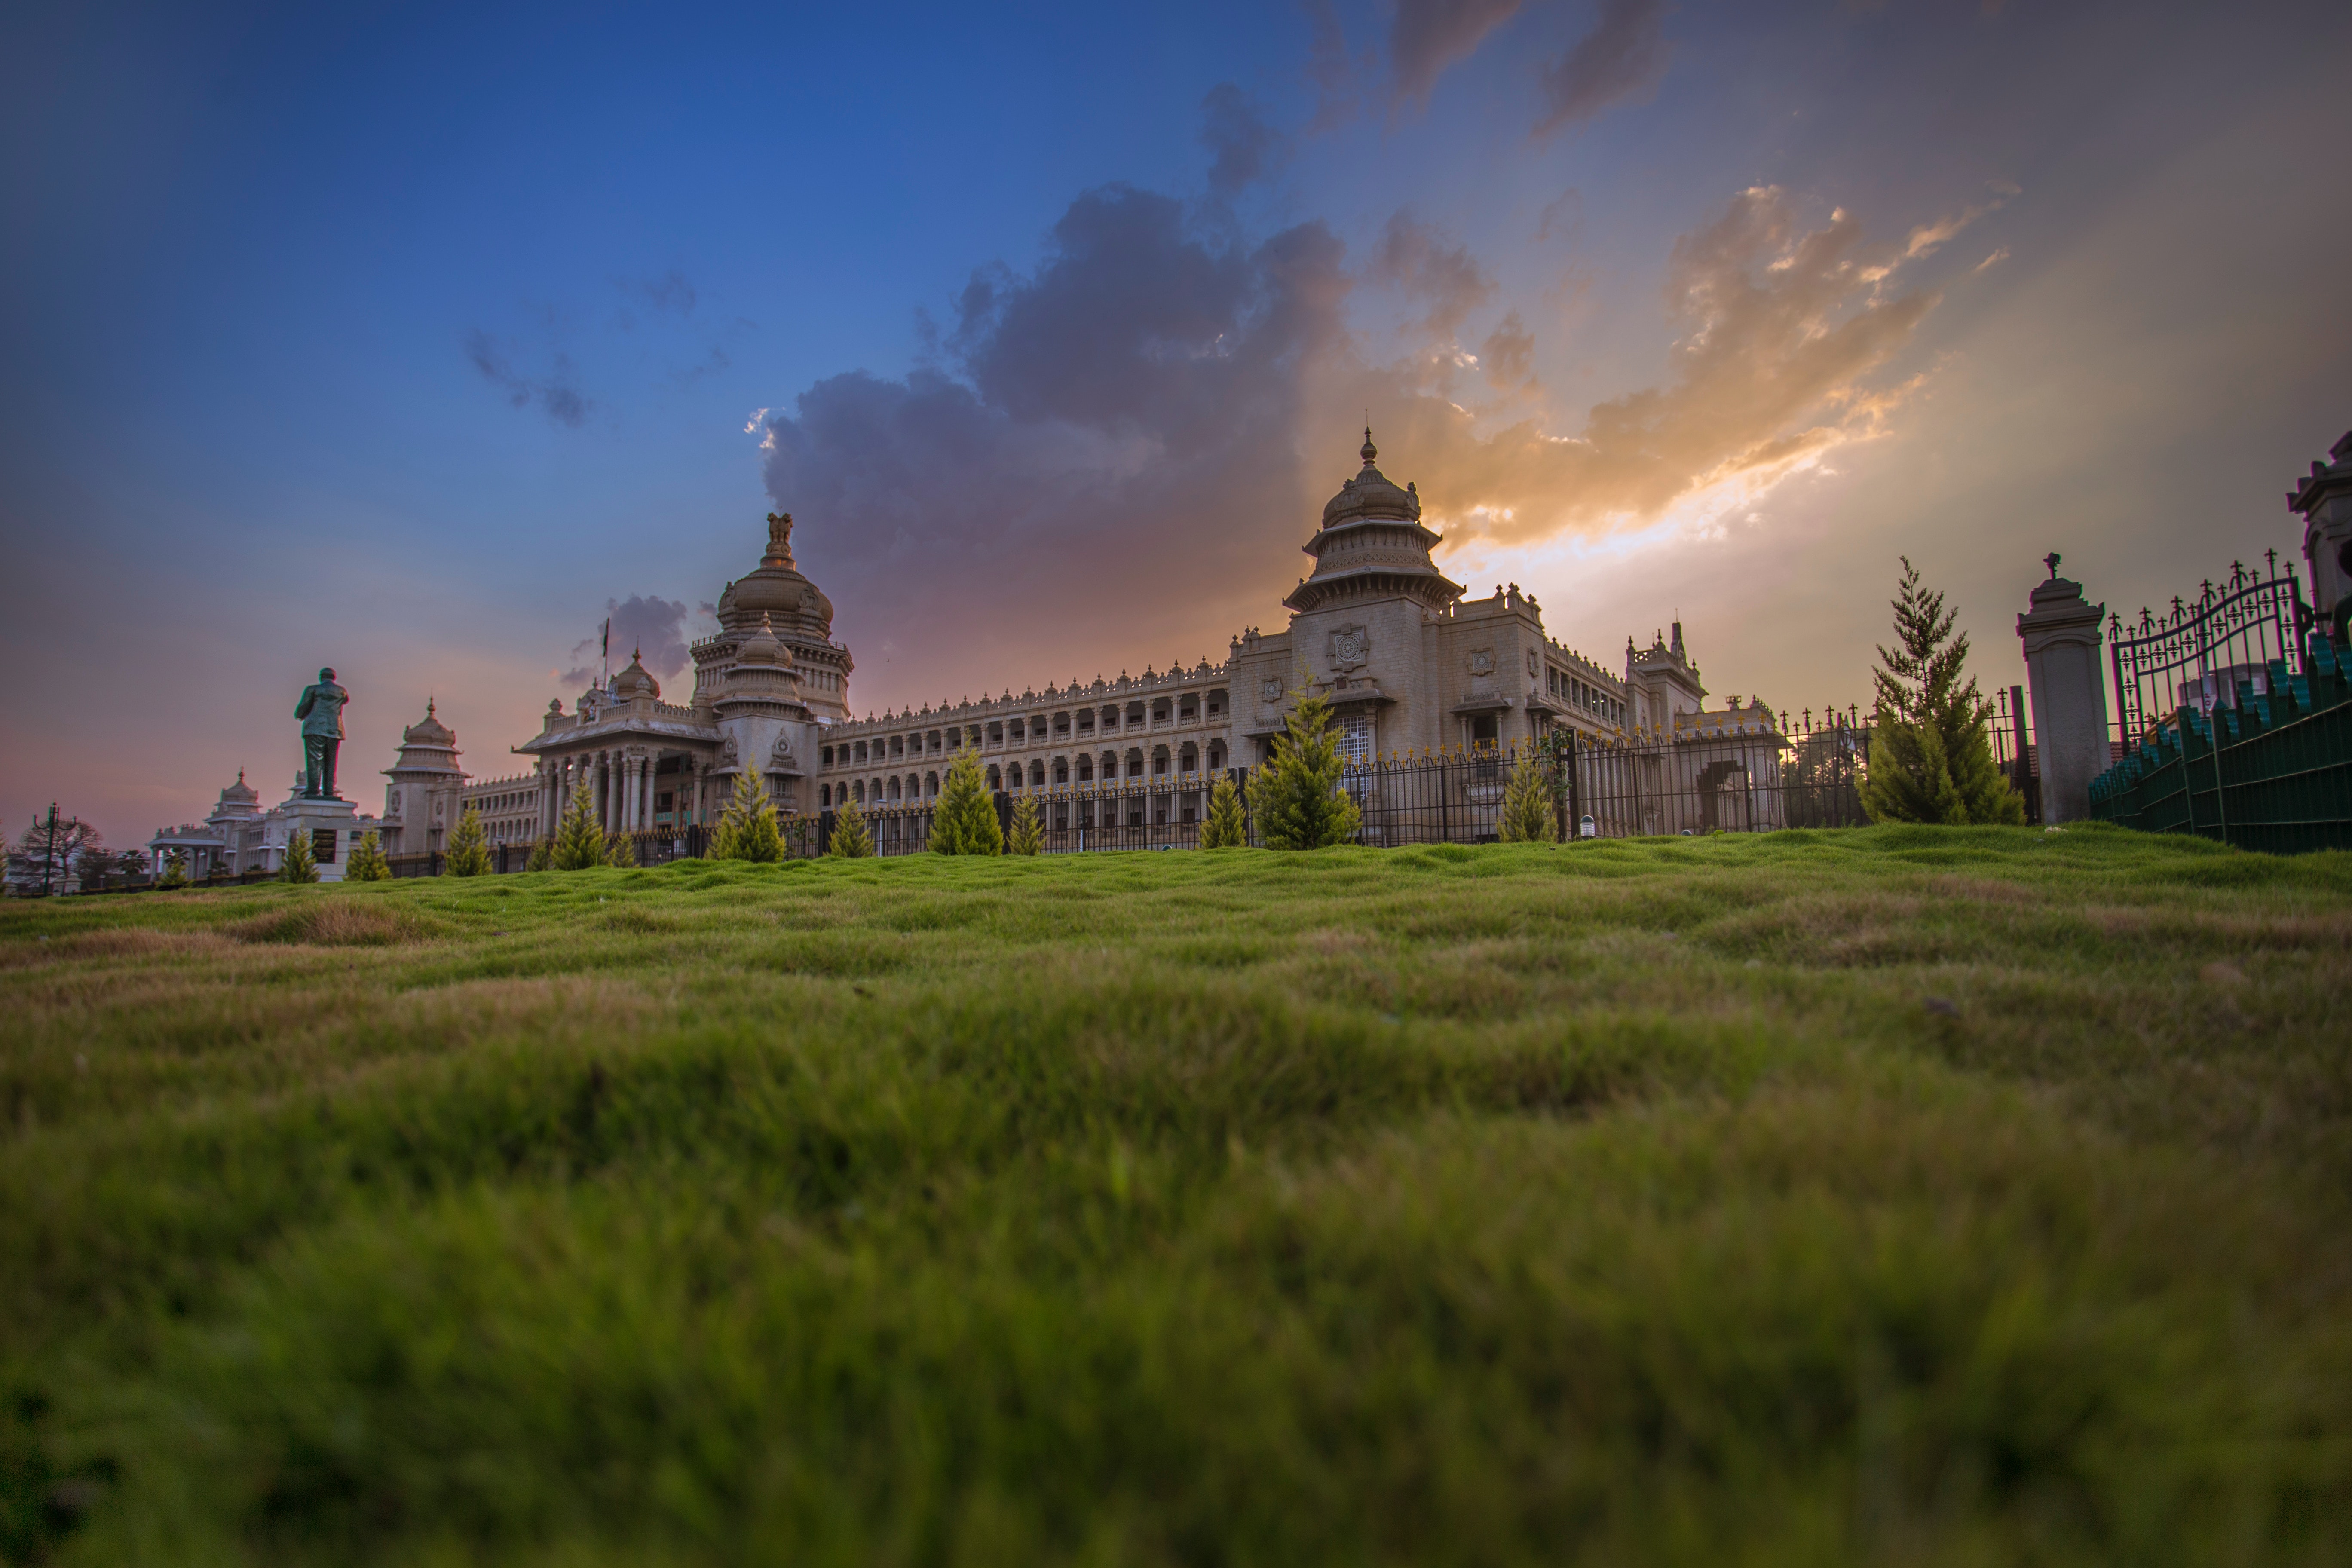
328, 824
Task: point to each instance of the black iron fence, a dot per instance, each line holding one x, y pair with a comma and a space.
2233, 720
1749, 771
2196, 656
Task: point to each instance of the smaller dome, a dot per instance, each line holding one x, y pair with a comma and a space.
239, 793
637, 681
1372, 494
763, 648
428, 730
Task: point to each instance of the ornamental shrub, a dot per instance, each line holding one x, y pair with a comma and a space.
1528, 816
852, 840
965, 822
300, 866
468, 854
747, 829
579, 838
1296, 797
176, 871
542, 855
1226, 827
368, 863
1930, 752
1028, 835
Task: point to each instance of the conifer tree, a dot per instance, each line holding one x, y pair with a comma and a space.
747, 829
468, 854
176, 871
300, 866
579, 839
542, 855
1226, 826
1930, 752
964, 821
852, 839
1526, 817
620, 850
368, 864
1028, 835
1296, 797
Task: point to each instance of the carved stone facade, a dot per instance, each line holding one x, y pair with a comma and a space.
1406, 661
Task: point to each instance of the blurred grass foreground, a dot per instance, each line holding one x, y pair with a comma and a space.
1923, 1195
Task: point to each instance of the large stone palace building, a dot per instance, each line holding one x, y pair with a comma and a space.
1407, 661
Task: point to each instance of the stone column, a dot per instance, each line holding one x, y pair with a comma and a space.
2069, 680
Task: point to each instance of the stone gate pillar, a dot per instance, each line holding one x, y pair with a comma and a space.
2325, 501
2068, 679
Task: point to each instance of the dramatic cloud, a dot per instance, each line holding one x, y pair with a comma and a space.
558, 393
1622, 61
1242, 145
653, 628
1415, 259
1428, 36
1508, 355
1781, 330
1154, 398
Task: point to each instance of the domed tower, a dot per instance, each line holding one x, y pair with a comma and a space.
760, 714
419, 803
1371, 546
797, 615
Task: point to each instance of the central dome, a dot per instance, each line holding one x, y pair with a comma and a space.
777, 591
1372, 494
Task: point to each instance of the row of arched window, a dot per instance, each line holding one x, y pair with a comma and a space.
1036, 774
1039, 729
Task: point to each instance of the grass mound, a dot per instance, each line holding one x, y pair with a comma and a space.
325, 921
1945, 1196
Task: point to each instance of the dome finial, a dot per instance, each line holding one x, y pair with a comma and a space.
1368, 451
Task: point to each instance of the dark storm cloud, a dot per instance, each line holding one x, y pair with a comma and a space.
652, 629
558, 393
1428, 36
1134, 397
1242, 145
1622, 61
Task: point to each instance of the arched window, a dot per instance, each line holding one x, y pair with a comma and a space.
823, 795
1135, 762
859, 789
1159, 761
1216, 756
1036, 773
894, 787
1085, 770
995, 776
931, 785
1061, 770
1188, 761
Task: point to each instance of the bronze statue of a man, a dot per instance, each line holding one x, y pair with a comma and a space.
322, 712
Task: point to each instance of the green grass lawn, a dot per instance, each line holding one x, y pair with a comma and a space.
1900, 1196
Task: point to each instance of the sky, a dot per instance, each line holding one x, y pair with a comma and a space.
417, 341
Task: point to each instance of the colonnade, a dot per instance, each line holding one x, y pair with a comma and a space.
622, 785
